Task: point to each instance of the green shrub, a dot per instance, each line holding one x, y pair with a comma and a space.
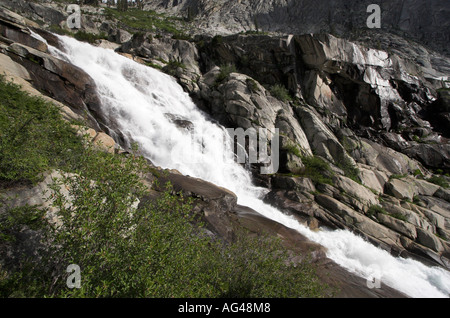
280, 92
34, 138
317, 169
252, 85
293, 149
397, 176
225, 71
399, 216
89, 37
350, 171
172, 67
143, 20
417, 173
440, 181
154, 249
374, 210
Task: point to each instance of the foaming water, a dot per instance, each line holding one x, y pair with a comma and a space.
142, 103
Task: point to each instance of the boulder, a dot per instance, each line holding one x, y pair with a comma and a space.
430, 240
63, 81
37, 195
401, 189
292, 183
424, 187
360, 223
355, 190
215, 203
443, 194
16, 29
399, 226
374, 180
105, 142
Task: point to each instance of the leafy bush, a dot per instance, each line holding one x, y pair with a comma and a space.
154, 250
143, 20
125, 245
440, 181
252, 85
225, 71
89, 37
280, 92
374, 210
172, 67
317, 169
34, 138
350, 171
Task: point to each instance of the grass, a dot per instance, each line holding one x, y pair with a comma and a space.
252, 85
157, 249
350, 171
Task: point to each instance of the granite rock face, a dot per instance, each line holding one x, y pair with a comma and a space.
421, 20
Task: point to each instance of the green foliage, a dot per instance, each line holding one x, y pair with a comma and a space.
374, 210
416, 199
280, 92
217, 40
124, 249
172, 67
350, 171
79, 35
417, 172
89, 37
154, 250
293, 149
225, 71
440, 181
140, 20
34, 138
317, 169
252, 85
399, 216
122, 5
397, 176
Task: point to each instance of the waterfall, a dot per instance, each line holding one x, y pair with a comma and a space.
142, 102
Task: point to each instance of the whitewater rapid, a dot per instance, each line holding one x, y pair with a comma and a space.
142, 102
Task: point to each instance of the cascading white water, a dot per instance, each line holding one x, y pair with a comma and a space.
138, 98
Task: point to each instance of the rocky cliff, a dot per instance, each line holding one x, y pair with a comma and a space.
364, 131
420, 20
